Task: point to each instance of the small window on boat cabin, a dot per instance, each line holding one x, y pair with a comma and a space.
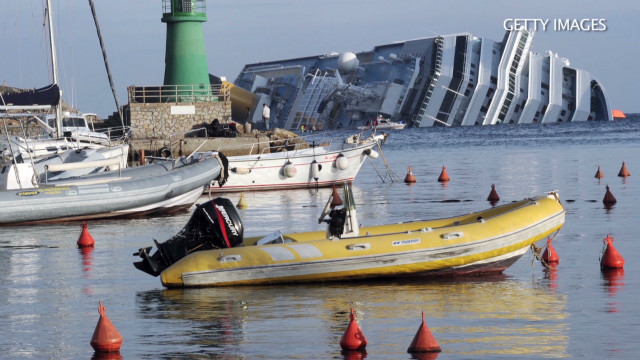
74, 122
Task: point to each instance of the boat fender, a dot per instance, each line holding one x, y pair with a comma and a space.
241, 170
289, 170
342, 162
371, 153
315, 170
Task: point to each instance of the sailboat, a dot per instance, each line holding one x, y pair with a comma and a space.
63, 135
157, 188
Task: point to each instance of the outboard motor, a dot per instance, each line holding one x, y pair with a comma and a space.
213, 225
337, 219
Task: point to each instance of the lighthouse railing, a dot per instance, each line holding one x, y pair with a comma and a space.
179, 94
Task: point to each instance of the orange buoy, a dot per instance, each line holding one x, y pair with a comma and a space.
611, 258
410, 178
353, 338
599, 173
624, 172
336, 200
85, 239
143, 159
106, 338
424, 341
444, 177
609, 199
550, 255
493, 195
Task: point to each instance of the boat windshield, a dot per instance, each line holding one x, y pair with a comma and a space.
74, 122
67, 122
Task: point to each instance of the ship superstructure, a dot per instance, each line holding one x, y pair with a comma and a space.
449, 80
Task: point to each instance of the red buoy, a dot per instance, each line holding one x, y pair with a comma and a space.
444, 177
624, 172
493, 195
550, 255
609, 199
353, 338
599, 173
410, 178
424, 341
85, 239
336, 200
106, 338
611, 258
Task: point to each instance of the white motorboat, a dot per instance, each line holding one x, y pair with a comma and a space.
334, 162
380, 123
28, 173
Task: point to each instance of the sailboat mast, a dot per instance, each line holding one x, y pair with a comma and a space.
106, 62
54, 67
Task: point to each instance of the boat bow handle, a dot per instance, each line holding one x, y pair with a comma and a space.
361, 246
229, 258
452, 235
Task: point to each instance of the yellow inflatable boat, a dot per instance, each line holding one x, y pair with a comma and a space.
210, 250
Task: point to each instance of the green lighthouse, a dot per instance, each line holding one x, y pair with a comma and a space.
185, 57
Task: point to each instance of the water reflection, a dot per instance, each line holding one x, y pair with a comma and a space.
106, 356
206, 322
487, 316
551, 274
613, 282
354, 354
425, 356
87, 261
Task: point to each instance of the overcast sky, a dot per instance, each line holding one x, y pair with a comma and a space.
239, 32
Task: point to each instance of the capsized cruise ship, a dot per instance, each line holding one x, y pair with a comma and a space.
450, 80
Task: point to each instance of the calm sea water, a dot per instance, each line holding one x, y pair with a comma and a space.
50, 290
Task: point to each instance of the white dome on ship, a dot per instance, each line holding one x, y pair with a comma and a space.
347, 62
